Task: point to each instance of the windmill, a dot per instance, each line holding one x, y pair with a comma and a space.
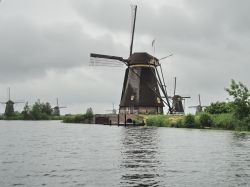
9, 108
177, 100
142, 81
113, 111
56, 109
199, 107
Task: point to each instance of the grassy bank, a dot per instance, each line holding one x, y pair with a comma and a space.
203, 120
31, 118
80, 118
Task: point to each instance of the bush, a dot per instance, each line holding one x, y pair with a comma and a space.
89, 113
158, 121
69, 119
178, 124
219, 108
205, 120
80, 118
241, 103
225, 121
189, 121
243, 125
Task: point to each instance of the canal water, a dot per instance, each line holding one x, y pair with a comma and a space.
55, 154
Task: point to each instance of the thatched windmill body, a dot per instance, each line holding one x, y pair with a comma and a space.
9, 105
143, 83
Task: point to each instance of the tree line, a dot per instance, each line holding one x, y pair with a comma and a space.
231, 115
38, 111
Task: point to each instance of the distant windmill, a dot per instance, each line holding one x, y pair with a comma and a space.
199, 107
142, 81
9, 109
56, 109
177, 101
113, 111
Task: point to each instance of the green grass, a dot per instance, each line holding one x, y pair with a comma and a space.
202, 120
80, 118
158, 121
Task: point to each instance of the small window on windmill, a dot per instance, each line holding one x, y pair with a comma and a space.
158, 100
132, 97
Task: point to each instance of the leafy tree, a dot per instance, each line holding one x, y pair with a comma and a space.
205, 120
241, 103
189, 121
89, 113
36, 111
46, 108
219, 108
26, 111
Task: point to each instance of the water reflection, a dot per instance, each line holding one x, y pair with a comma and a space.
139, 157
239, 172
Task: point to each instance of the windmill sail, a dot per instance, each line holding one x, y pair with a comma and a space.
106, 60
134, 12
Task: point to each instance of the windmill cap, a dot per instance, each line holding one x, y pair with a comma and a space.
143, 59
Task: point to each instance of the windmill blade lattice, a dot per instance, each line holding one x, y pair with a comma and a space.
106, 60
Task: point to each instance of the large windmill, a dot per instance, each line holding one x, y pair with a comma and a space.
143, 83
199, 107
56, 109
177, 101
9, 108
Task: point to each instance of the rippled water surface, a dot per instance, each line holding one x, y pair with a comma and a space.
56, 154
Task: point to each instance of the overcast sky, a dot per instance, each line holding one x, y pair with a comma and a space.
45, 46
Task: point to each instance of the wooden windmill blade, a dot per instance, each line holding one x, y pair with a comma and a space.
192, 107
134, 13
106, 60
199, 96
174, 86
18, 102
185, 97
62, 107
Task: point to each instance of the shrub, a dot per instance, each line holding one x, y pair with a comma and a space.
205, 120
225, 121
219, 108
179, 124
189, 121
243, 125
158, 121
69, 119
241, 103
89, 113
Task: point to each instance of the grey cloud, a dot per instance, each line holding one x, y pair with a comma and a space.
27, 49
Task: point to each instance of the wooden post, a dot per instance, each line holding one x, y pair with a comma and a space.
125, 119
118, 119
